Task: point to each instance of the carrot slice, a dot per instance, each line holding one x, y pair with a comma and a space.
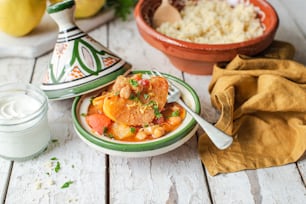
98, 122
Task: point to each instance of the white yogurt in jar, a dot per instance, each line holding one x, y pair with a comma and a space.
17, 106
24, 130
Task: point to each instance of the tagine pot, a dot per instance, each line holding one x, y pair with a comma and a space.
79, 64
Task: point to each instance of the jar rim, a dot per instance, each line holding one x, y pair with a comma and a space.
30, 90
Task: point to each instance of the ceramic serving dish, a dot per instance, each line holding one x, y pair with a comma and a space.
79, 64
154, 147
198, 58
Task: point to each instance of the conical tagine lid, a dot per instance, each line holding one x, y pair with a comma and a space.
79, 64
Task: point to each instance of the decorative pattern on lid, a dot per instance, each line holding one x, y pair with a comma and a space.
79, 64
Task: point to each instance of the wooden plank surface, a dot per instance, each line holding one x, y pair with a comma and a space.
36, 180
175, 177
260, 185
270, 185
12, 70
5, 169
293, 29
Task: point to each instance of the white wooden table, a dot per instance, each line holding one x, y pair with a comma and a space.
175, 177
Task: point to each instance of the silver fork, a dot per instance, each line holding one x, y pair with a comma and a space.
219, 138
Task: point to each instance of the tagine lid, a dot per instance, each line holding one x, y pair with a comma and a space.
79, 64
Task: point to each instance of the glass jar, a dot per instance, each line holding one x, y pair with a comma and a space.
24, 130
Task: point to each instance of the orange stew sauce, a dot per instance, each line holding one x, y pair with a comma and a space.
134, 109
172, 116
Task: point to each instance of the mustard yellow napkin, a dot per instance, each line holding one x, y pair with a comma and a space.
262, 101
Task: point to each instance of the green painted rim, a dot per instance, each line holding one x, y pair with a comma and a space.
56, 7
138, 147
86, 87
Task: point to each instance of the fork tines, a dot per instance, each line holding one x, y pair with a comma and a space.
172, 88
156, 73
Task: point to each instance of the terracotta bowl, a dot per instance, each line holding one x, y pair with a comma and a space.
197, 58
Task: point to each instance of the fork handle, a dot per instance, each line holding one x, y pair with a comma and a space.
219, 138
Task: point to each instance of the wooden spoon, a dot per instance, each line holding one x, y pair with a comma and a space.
165, 13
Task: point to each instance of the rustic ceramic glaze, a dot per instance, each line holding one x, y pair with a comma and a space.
146, 148
199, 58
79, 64
24, 129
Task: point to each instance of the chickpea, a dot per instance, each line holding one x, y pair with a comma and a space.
141, 135
148, 130
120, 82
125, 92
176, 120
158, 132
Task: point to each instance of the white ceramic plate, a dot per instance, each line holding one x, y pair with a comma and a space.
137, 149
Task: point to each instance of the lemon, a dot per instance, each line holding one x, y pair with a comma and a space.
18, 18
85, 8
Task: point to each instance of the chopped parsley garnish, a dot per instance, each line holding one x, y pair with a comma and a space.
133, 82
134, 97
151, 103
67, 184
109, 135
156, 110
157, 113
105, 129
53, 158
138, 94
133, 129
175, 113
146, 96
54, 140
83, 114
57, 167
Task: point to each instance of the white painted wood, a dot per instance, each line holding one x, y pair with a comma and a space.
36, 179
225, 188
175, 177
293, 29
280, 185
5, 166
15, 70
43, 37
296, 10
302, 168
12, 70
288, 29
270, 185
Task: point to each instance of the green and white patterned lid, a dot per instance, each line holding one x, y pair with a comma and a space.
79, 64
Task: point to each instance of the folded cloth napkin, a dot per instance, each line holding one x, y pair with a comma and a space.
262, 104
